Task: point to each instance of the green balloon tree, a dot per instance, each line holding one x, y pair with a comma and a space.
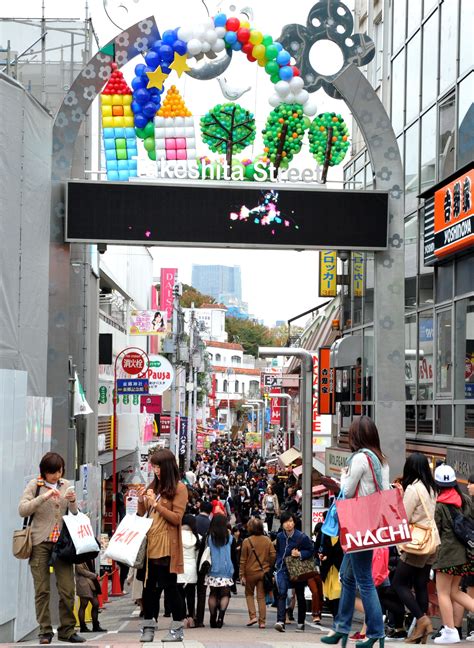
147, 134
228, 128
283, 134
328, 140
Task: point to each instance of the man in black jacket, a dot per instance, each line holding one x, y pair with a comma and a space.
202, 519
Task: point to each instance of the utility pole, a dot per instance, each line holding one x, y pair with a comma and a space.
174, 361
190, 388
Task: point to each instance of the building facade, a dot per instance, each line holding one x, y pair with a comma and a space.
224, 283
423, 72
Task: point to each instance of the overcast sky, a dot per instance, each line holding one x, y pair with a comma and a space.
277, 285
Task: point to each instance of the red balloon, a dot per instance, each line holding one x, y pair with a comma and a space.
114, 66
251, 58
243, 35
296, 71
232, 24
247, 48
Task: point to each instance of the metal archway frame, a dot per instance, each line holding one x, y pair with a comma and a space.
379, 137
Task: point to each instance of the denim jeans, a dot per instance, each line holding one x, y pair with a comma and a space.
284, 584
356, 572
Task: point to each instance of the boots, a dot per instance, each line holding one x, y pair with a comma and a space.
96, 628
148, 631
175, 633
422, 629
84, 628
220, 619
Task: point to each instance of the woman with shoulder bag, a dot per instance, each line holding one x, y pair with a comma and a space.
47, 498
412, 573
454, 559
164, 502
366, 462
256, 559
270, 507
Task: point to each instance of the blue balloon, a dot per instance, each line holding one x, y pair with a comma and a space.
286, 73
167, 53
157, 45
231, 37
283, 58
165, 69
279, 46
140, 69
236, 46
141, 96
141, 121
153, 59
149, 109
136, 107
220, 20
139, 82
169, 36
180, 47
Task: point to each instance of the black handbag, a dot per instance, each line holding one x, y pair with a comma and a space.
267, 575
65, 550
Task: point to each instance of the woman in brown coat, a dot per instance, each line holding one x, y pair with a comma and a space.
87, 588
256, 558
165, 502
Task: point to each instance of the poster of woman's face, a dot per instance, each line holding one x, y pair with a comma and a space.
148, 322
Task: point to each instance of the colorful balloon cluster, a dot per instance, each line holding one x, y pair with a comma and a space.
203, 38
228, 128
147, 134
318, 138
283, 133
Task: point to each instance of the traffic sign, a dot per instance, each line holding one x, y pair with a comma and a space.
132, 386
134, 363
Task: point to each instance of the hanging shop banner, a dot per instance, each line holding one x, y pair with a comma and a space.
327, 273
160, 374
183, 435
326, 382
147, 322
316, 419
357, 267
275, 412
81, 406
167, 279
253, 441
449, 219
151, 404
132, 386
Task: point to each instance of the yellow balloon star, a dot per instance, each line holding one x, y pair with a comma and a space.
157, 78
179, 64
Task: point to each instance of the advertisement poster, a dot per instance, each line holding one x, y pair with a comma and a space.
160, 375
275, 415
327, 273
147, 322
253, 441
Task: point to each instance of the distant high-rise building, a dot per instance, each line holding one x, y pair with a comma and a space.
224, 283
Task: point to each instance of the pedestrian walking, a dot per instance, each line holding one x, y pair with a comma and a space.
88, 589
356, 568
164, 502
270, 507
188, 579
256, 559
47, 498
223, 564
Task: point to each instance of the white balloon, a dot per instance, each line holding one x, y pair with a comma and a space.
219, 46
290, 98
282, 88
209, 23
210, 36
310, 107
205, 47
199, 31
302, 97
296, 84
185, 34
194, 46
221, 32
274, 100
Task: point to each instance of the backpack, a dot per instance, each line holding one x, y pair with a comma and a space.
270, 505
463, 528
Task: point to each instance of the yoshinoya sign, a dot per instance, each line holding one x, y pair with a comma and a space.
449, 218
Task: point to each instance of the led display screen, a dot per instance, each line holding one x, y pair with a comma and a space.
203, 214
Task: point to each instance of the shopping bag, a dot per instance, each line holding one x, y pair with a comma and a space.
81, 532
332, 585
124, 545
377, 520
330, 525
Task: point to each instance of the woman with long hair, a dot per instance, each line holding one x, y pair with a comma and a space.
223, 564
270, 507
164, 501
356, 568
413, 571
454, 559
256, 558
188, 579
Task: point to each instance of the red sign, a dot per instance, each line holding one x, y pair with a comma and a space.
454, 216
167, 279
275, 415
316, 419
150, 403
133, 363
326, 382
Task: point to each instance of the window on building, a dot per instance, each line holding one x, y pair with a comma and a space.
399, 19
368, 364
444, 353
425, 356
411, 266
414, 16
464, 275
466, 119
254, 388
236, 386
464, 421
369, 289
465, 35
446, 138
464, 350
236, 359
443, 421
411, 167
398, 92
218, 357
444, 282
448, 49
429, 82
428, 149
225, 385
410, 360
413, 75
425, 288
210, 355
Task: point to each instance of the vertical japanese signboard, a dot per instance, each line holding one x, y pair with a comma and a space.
183, 435
326, 382
275, 416
327, 273
316, 418
358, 274
167, 279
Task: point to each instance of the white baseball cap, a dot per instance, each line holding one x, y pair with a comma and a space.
444, 476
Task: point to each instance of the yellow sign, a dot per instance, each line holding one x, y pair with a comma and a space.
357, 274
327, 273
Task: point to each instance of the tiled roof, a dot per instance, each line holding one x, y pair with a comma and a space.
237, 370
224, 345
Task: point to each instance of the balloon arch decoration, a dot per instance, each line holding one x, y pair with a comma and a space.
140, 112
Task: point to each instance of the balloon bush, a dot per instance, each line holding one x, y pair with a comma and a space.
318, 138
284, 132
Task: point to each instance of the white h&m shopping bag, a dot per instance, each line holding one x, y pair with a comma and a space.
127, 540
81, 532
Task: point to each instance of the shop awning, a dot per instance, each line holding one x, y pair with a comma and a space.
125, 459
290, 456
346, 351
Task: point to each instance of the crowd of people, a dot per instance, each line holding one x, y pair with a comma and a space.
227, 522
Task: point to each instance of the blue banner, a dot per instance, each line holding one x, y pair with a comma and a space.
132, 386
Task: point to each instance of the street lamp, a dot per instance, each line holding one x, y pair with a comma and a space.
260, 403
306, 403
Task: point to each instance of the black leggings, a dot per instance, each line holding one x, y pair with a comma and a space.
219, 598
188, 596
407, 578
81, 613
390, 602
159, 579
